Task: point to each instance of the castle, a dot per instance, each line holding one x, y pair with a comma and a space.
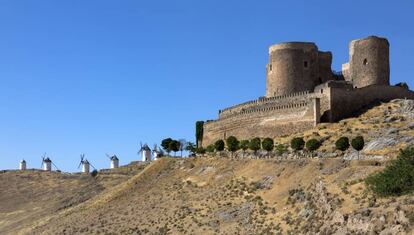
302, 91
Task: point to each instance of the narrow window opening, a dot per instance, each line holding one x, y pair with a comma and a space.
365, 62
270, 67
305, 64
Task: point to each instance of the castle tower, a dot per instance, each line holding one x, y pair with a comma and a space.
293, 67
369, 62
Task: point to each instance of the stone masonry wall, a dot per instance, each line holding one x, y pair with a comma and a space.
263, 121
346, 102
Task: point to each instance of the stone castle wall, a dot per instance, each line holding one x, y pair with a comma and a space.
264, 120
346, 102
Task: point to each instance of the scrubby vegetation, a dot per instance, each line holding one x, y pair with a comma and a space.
254, 144
297, 143
219, 145
313, 144
267, 144
232, 144
397, 178
342, 143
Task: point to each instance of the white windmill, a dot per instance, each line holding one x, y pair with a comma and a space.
156, 152
85, 164
145, 152
114, 161
22, 166
47, 164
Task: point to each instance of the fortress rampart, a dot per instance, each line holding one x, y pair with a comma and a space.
302, 90
263, 121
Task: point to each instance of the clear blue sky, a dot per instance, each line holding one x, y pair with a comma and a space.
99, 76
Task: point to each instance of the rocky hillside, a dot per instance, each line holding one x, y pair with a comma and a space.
212, 195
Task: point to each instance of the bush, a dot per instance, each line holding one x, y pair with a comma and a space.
219, 145
94, 173
244, 144
397, 178
313, 144
342, 143
210, 148
297, 143
232, 144
255, 144
280, 149
200, 150
267, 144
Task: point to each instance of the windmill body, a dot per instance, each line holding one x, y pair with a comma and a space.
146, 155
145, 152
22, 166
47, 164
85, 166
114, 162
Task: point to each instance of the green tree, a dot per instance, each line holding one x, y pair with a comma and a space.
313, 144
297, 143
219, 145
165, 144
397, 178
232, 144
210, 149
254, 145
174, 146
191, 148
199, 133
94, 173
358, 143
342, 143
268, 144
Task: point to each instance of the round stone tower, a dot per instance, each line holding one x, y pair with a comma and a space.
293, 67
369, 62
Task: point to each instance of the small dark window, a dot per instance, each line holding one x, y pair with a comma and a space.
305, 64
270, 67
365, 62
321, 91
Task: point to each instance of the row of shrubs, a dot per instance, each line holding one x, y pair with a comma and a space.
297, 144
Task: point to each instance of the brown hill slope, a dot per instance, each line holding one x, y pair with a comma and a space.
243, 196
27, 196
223, 196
